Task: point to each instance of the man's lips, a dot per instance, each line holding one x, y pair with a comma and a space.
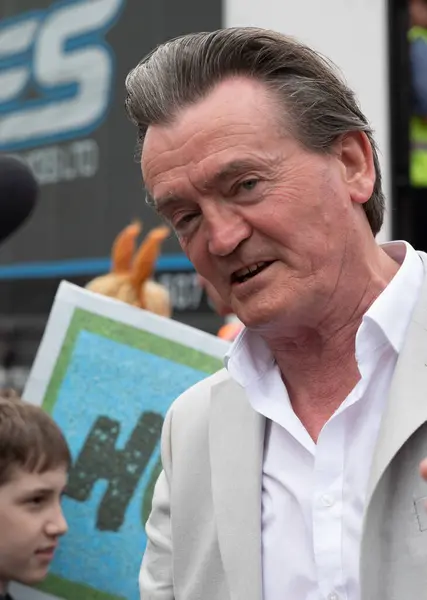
245, 273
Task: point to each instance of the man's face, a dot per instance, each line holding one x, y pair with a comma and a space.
260, 217
31, 522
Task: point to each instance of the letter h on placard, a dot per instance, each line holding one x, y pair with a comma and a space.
100, 459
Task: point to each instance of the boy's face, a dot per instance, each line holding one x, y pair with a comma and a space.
31, 522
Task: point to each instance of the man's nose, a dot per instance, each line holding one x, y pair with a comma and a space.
226, 230
57, 524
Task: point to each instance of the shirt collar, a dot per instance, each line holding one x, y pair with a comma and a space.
249, 357
392, 310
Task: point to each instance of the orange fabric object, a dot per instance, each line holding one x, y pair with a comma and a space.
230, 331
131, 271
124, 248
147, 254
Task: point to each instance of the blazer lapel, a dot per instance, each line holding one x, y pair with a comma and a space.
407, 403
236, 442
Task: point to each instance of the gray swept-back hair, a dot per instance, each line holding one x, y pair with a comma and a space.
318, 105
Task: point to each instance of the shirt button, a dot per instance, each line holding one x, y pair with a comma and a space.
333, 596
328, 500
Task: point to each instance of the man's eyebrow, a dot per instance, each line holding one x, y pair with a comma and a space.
160, 205
230, 170
226, 172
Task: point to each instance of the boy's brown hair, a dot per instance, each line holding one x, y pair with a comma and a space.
29, 438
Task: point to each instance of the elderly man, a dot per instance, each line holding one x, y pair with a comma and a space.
294, 473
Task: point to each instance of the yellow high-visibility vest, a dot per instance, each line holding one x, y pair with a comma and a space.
418, 132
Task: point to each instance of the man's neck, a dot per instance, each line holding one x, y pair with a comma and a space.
318, 363
319, 379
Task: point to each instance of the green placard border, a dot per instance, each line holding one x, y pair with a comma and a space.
83, 320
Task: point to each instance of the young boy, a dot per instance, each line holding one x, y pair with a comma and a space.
34, 461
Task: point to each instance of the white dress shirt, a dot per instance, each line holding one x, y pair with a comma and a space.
313, 495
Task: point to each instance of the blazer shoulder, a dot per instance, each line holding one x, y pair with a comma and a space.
190, 411
197, 397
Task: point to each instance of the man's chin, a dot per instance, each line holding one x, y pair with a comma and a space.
255, 319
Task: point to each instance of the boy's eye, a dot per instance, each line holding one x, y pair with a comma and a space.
36, 500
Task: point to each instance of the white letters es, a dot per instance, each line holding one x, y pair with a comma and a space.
61, 53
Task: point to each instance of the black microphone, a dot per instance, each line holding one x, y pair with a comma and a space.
18, 194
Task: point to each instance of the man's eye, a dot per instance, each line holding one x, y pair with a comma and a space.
184, 220
249, 184
187, 218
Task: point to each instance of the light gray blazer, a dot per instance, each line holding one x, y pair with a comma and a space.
204, 532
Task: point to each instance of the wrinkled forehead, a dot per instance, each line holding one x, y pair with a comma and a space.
236, 117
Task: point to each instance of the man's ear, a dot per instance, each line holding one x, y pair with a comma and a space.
354, 150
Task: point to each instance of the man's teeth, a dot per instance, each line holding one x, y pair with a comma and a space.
247, 272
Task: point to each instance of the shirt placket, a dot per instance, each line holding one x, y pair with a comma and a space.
327, 510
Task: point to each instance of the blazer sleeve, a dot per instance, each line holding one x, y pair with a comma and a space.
156, 574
